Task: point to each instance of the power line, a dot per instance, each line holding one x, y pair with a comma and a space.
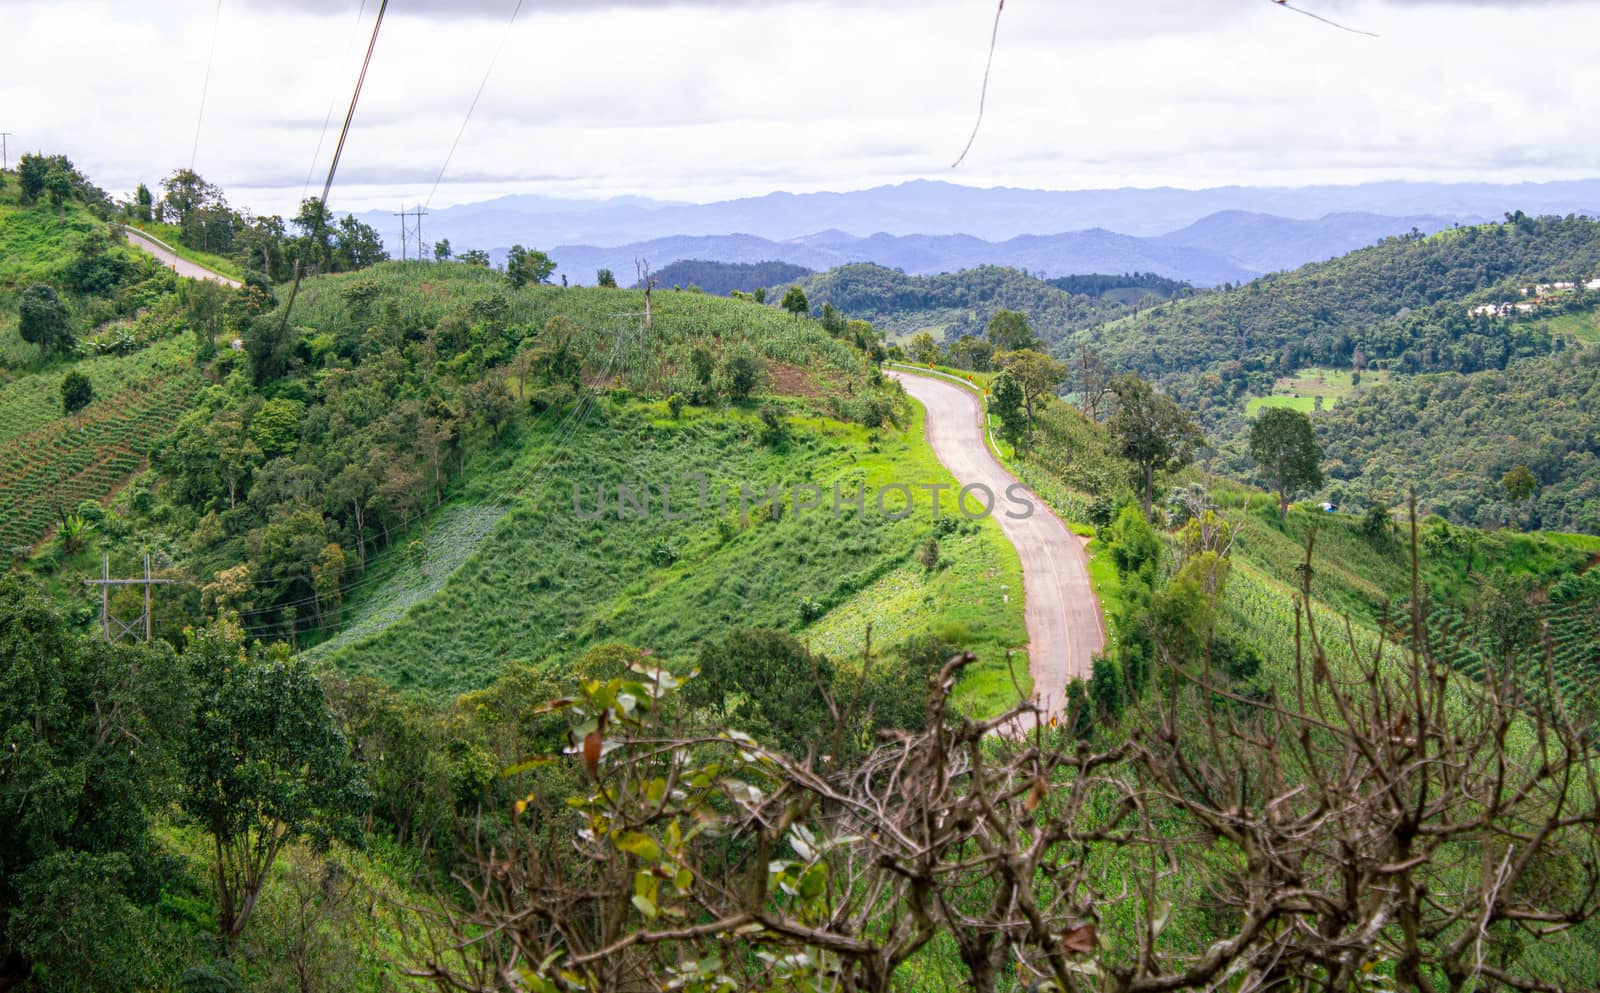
205, 86
333, 101
338, 150
504, 35
983, 93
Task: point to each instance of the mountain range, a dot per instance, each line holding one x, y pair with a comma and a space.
1205, 236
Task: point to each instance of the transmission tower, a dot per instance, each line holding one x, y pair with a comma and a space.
405, 229
105, 582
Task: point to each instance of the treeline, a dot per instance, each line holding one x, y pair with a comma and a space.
202, 219
1134, 285
722, 278
962, 302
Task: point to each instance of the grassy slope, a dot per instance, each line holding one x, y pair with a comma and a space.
550, 584
35, 243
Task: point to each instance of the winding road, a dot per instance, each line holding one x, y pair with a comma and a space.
1065, 626
171, 260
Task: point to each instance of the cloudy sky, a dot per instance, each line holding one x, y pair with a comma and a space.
715, 99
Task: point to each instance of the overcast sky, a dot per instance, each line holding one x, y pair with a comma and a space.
709, 100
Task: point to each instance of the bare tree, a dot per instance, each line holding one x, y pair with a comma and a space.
1376, 817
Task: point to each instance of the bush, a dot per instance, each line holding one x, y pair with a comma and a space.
928, 554
675, 404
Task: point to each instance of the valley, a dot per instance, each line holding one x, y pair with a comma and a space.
614, 575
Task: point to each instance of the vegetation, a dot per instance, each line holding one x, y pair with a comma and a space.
959, 304
516, 644
723, 278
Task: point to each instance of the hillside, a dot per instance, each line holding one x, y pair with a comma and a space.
950, 305
1397, 304
722, 278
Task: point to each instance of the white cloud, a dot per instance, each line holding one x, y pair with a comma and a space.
709, 100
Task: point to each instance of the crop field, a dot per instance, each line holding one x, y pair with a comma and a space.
1583, 326
1302, 390
544, 582
48, 461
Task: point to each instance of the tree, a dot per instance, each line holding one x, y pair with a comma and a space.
42, 319
315, 246
1007, 404
1284, 444
1037, 373
477, 257
1154, 432
327, 572
922, 349
31, 171
143, 204
58, 185
186, 193
769, 679
441, 250
489, 402
76, 392
1091, 380
528, 265
204, 302
742, 375
1009, 332
760, 294
90, 733
1519, 484
357, 245
264, 764
605, 279
794, 301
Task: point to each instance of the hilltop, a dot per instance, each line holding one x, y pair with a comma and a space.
950, 305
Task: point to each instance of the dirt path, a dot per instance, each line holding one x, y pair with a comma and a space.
170, 259
1065, 626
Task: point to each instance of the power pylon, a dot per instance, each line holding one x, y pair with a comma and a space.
105, 582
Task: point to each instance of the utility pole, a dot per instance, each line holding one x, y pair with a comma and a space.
419, 213
402, 216
105, 582
5, 159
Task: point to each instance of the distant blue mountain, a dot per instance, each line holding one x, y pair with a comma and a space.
1204, 236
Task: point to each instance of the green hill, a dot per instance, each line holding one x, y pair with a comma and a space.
1397, 304
953, 304
722, 278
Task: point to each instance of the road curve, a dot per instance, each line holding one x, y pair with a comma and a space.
171, 260
1065, 626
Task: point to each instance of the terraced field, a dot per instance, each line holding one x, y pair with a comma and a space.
1570, 616
48, 461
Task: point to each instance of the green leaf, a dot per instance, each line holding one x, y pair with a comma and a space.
637, 843
646, 908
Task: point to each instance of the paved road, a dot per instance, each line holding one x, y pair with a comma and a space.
183, 267
1065, 626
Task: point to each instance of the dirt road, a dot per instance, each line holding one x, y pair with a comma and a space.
182, 267
1065, 626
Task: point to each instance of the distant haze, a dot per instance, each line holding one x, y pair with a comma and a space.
1204, 236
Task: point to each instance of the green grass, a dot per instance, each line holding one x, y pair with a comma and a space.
1585, 326
170, 233
1300, 391
542, 584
